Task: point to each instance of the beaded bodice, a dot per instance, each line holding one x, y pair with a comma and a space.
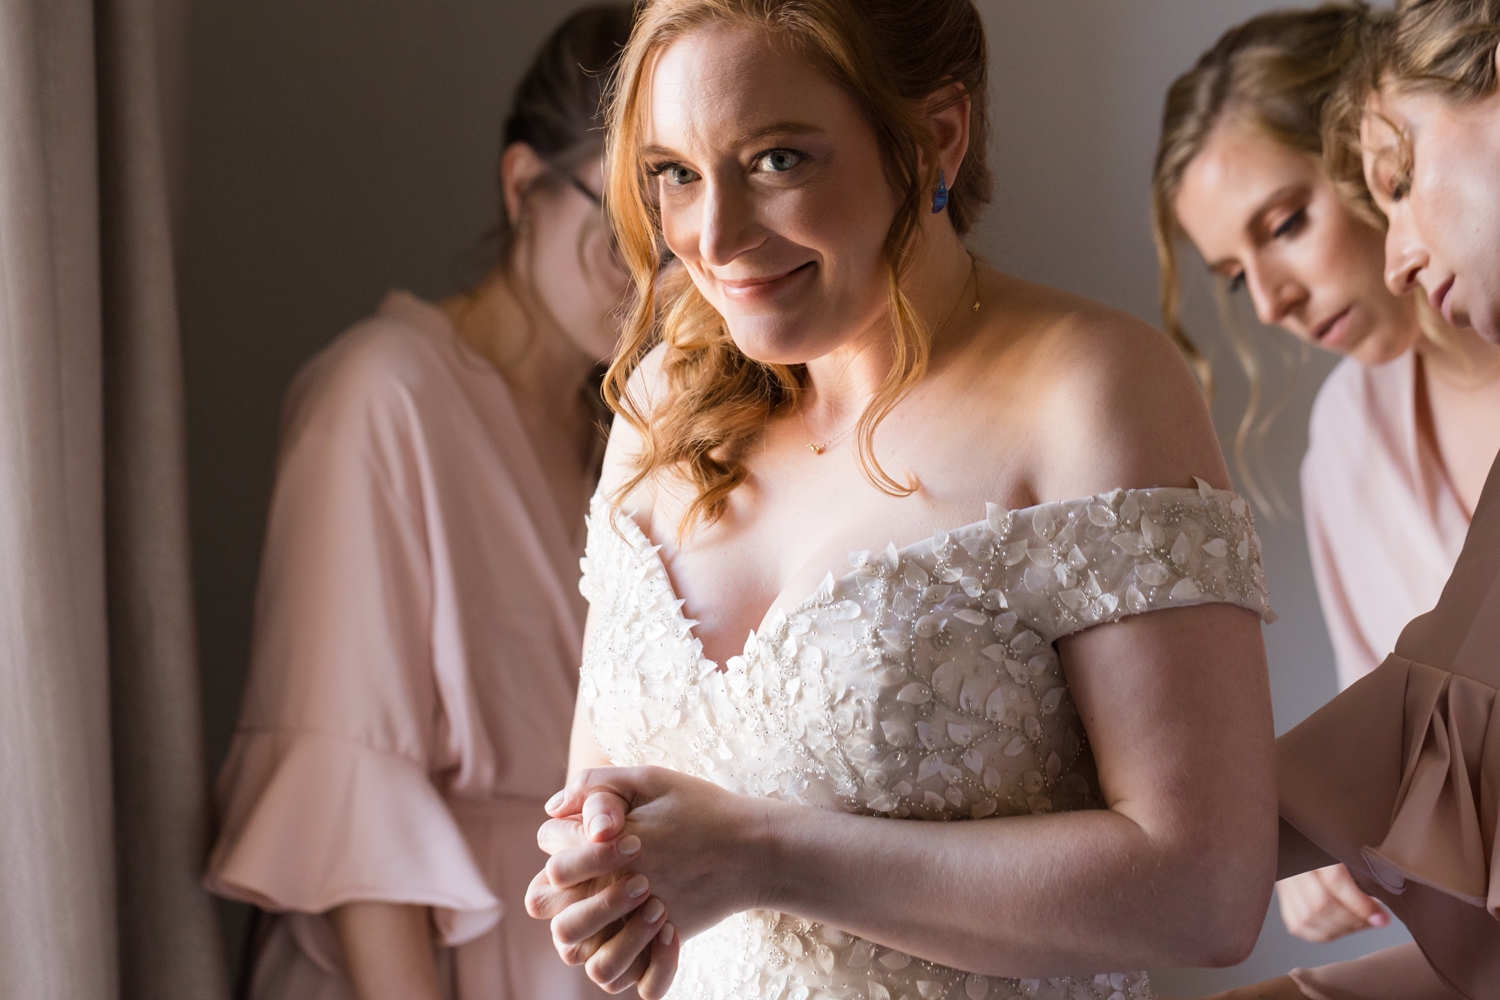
923, 684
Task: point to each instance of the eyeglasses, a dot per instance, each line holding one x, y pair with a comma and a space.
665, 255
584, 190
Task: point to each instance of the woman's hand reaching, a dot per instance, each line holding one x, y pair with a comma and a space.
626, 844
1325, 904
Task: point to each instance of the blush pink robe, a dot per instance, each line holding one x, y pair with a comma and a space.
417, 633
1384, 523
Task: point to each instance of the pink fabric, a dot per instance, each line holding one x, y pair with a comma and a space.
1398, 778
1399, 973
417, 635
1383, 522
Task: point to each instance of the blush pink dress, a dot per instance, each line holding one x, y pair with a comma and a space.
1384, 523
417, 633
1398, 778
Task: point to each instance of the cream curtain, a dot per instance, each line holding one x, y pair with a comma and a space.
102, 786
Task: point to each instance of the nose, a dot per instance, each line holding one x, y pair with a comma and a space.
728, 224
1405, 256
1274, 294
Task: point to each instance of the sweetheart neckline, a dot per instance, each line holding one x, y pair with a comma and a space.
652, 551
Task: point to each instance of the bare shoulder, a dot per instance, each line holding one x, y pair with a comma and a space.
1107, 399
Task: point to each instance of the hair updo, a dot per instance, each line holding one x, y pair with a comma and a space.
558, 109
890, 56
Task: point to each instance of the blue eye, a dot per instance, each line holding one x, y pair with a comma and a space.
779, 161
674, 174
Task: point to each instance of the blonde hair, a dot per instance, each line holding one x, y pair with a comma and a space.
1272, 74
1439, 46
891, 56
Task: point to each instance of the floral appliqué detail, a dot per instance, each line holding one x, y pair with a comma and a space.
924, 684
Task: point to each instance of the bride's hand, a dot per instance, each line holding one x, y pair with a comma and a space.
696, 845
615, 907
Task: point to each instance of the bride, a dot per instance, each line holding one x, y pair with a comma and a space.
1061, 647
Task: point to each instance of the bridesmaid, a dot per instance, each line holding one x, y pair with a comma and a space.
418, 622
1410, 416
1410, 806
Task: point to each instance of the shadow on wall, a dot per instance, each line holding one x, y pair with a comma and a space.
337, 150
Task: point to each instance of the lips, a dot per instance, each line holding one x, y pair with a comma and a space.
752, 285
1321, 330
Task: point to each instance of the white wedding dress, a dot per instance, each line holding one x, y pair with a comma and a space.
923, 685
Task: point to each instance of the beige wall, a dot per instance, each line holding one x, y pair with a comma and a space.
340, 148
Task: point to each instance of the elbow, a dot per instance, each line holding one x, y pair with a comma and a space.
1222, 932
1234, 941
1232, 892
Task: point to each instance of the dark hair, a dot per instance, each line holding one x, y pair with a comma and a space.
558, 109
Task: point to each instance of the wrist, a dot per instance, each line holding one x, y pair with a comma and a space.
763, 869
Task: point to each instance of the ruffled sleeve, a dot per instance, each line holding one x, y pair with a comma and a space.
332, 792
314, 821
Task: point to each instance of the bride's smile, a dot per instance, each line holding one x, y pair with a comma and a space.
1034, 606
761, 169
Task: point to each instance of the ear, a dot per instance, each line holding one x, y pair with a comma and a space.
949, 121
520, 168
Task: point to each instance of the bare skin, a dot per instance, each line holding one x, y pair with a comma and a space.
1268, 219
1176, 703
544, 327
1430, 165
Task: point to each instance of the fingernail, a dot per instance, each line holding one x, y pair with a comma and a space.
629, 845
637, 886
653, 910
599, 824
1379, 920
555, 802
667, 933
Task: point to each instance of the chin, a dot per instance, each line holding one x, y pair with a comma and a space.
776, 340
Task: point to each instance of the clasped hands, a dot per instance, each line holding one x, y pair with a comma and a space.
631, 848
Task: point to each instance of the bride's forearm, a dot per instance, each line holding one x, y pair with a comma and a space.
1019, 896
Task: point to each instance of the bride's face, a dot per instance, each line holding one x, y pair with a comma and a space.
772, 191
1268, 219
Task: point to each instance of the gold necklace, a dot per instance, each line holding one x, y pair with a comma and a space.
818, 449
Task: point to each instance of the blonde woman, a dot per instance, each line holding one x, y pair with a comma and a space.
1407, 426
1396, 777
955, 513
418, 623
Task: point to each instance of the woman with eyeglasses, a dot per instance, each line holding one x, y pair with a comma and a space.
418, 622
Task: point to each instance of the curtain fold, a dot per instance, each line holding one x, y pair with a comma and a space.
102, 786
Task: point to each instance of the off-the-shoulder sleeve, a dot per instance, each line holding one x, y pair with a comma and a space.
1068, 565
328, 796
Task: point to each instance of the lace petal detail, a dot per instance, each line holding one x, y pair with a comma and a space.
924, 684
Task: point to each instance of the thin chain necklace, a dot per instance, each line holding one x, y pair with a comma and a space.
818, 448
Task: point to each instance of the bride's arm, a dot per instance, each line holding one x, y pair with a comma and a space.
1177, 870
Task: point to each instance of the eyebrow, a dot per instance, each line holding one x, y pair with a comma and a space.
1266, 204
758, 134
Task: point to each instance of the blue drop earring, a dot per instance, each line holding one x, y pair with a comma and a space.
940, 196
